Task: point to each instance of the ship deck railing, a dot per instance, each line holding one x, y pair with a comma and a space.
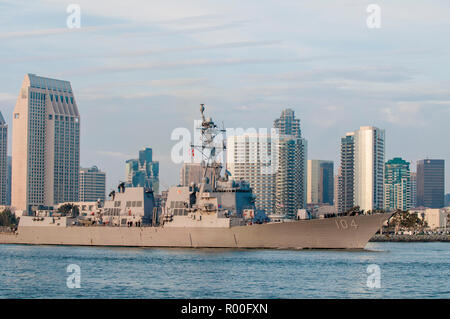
7, 229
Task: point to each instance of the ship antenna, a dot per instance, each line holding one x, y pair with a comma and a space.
209, 148
202, 110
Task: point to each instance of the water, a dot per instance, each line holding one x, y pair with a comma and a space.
408, 270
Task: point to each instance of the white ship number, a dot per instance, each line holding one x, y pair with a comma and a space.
342, 224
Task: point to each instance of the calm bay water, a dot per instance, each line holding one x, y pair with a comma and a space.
408, 270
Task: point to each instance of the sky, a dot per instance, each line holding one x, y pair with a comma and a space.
140, 69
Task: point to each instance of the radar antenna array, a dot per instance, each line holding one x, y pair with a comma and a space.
210, 147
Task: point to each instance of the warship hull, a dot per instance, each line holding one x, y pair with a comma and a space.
349, 232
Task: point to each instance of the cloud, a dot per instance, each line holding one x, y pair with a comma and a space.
177, 65
7, 97
412, 113
138, 53
403, 113
59, 31
114, 154
142, 11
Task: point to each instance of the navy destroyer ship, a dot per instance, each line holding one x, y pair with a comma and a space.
219, 212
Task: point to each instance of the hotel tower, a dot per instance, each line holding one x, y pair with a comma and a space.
45, 144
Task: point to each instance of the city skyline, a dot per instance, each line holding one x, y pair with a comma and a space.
344, 76
286, 124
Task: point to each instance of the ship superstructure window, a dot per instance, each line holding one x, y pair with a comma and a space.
112, 211
177, 204
180, 212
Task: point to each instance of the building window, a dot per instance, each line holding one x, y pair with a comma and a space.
50, 117
16, 115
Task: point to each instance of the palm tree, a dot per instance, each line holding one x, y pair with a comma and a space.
7, 218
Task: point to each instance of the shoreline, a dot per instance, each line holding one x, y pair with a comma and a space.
410, 238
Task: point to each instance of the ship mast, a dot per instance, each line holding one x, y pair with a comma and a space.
209, 147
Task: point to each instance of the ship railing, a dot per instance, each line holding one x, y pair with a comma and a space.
7, 229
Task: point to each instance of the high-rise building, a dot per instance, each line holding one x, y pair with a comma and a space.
430, 183
290, 188
362, 170
346, 173
447, 200
92, 184
3, 161
288, 125
143, 172
369, 168
46, 144
9, 181
336, 190
320, 186
252, 158
413, 189
193, 173
397, 185
273, 165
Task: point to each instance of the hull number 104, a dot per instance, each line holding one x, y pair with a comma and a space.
343, 224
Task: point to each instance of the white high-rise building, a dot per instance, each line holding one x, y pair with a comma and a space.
253, 158
92, 184
369, 168
273, 166
46, 144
